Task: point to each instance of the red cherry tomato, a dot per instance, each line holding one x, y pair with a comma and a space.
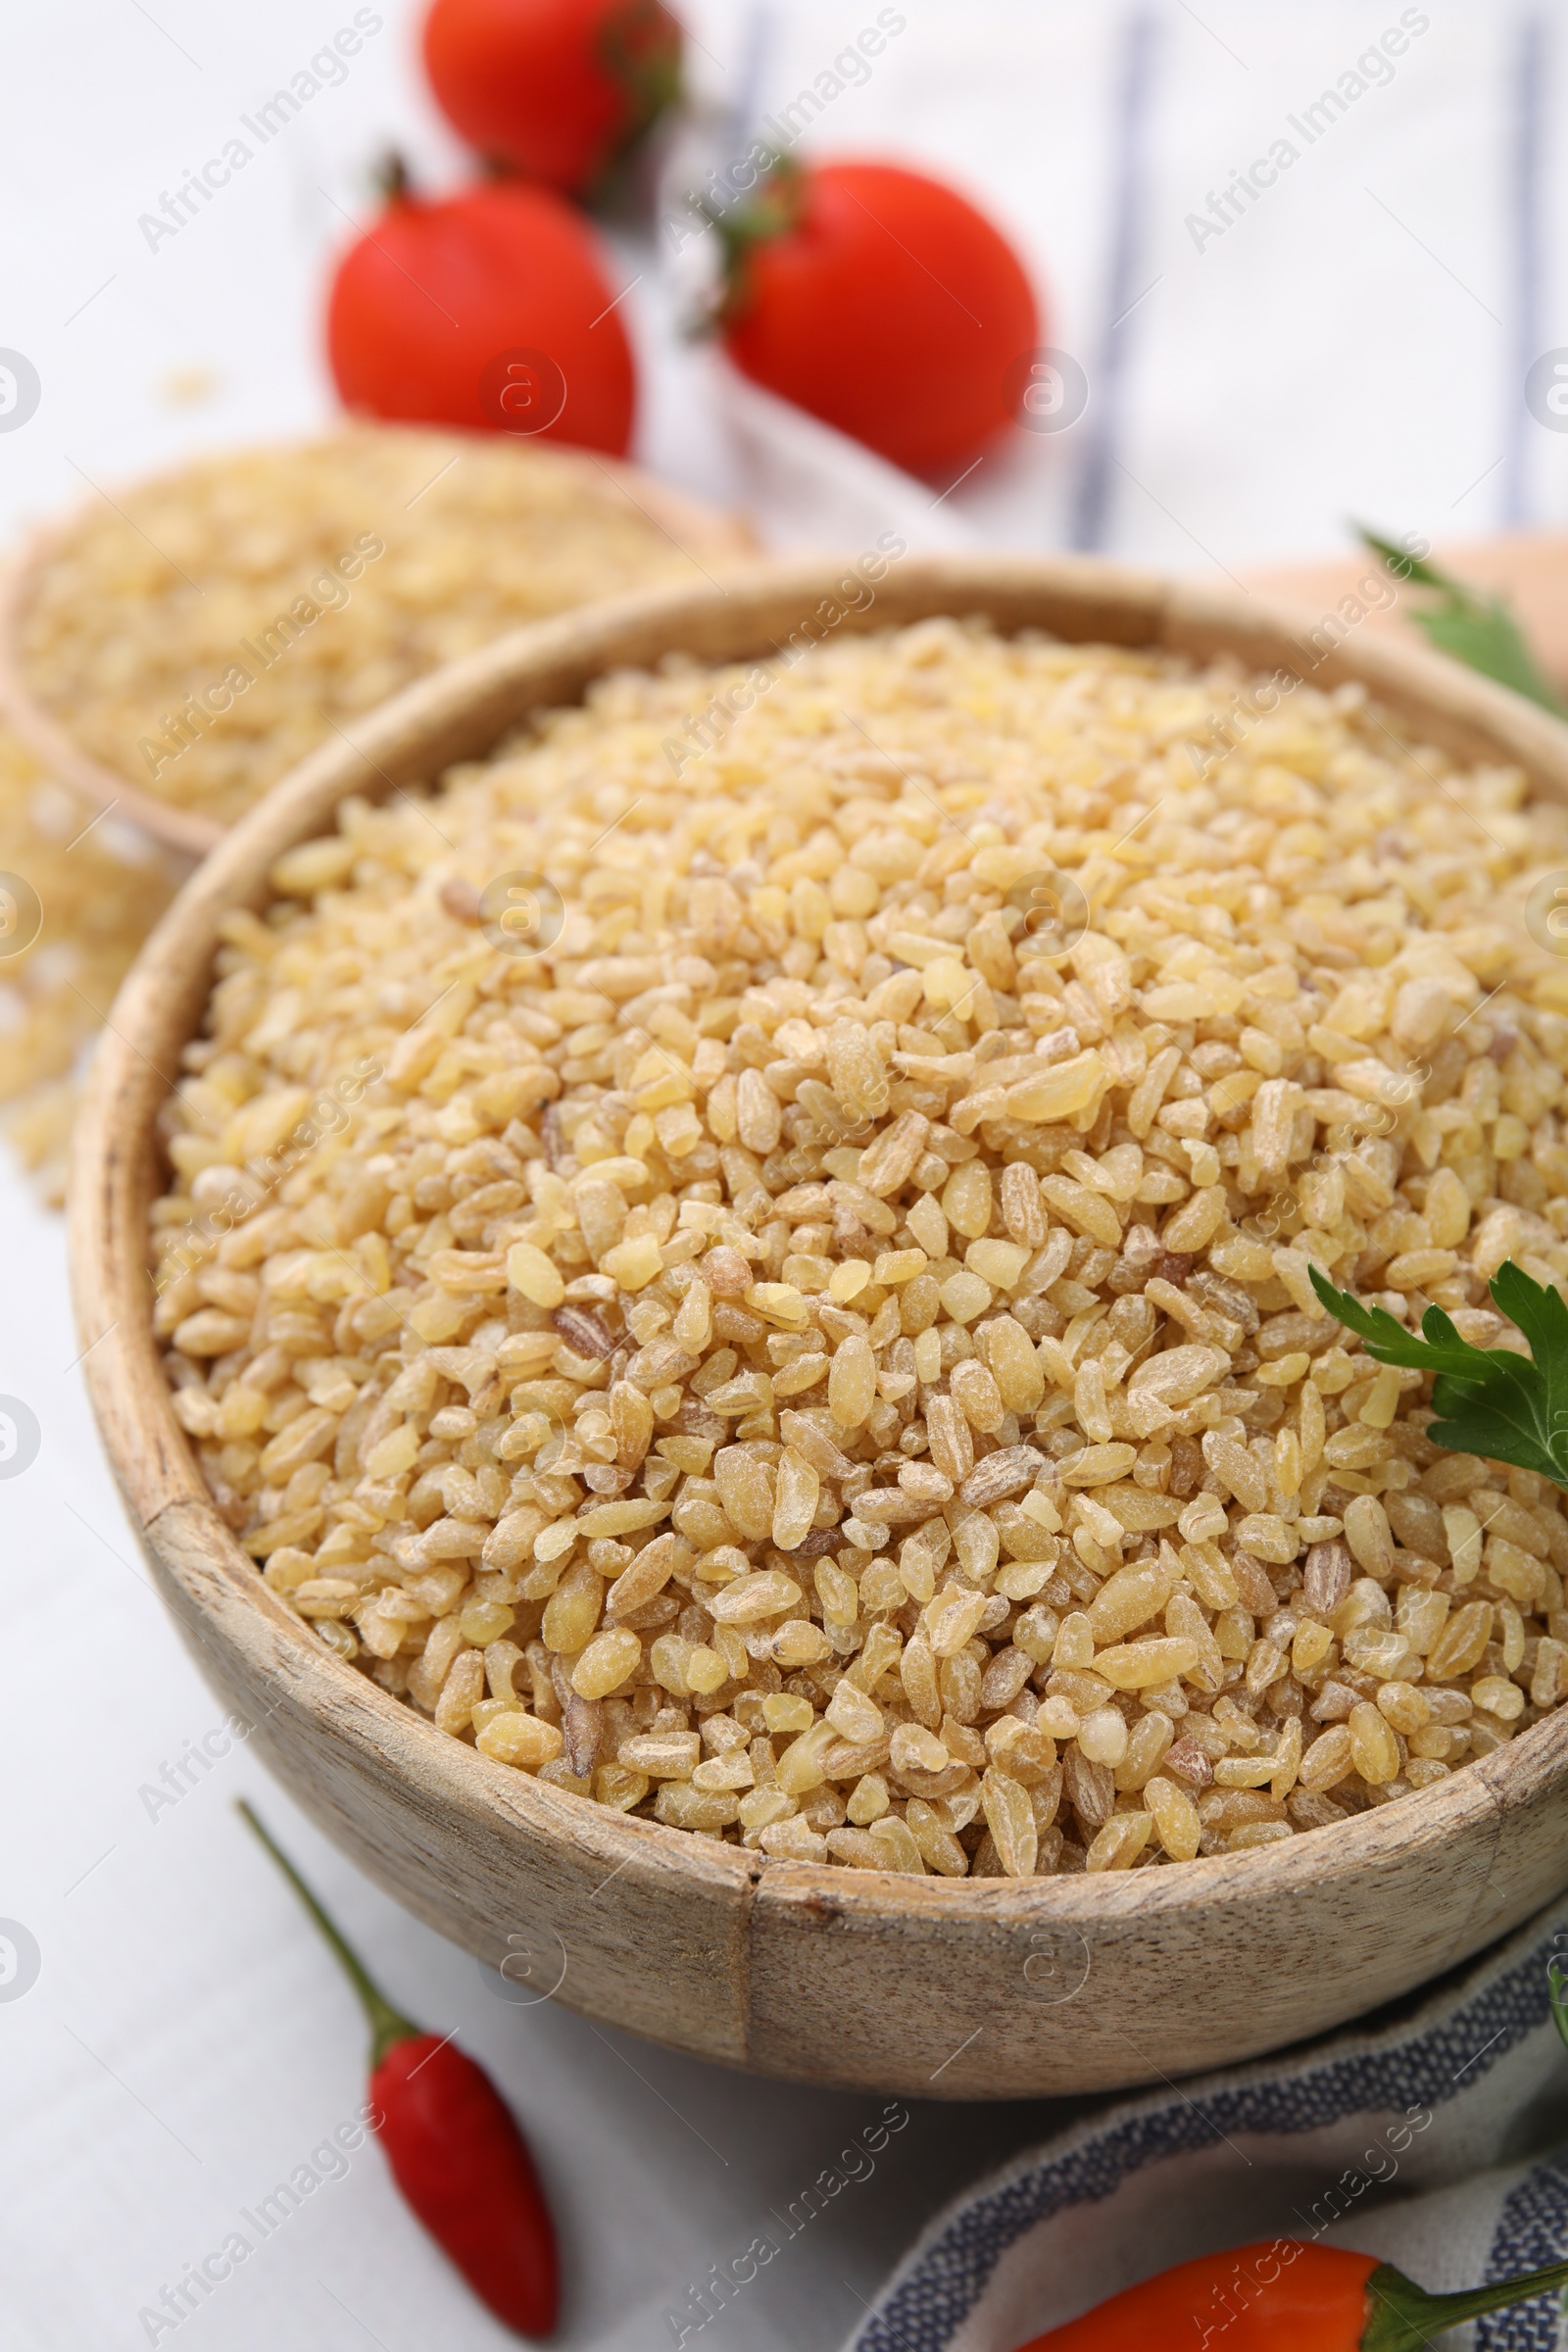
485, 309
883, 303
559, 89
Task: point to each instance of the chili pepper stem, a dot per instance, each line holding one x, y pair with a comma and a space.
1557, 1998
388, 2026
1405, 2317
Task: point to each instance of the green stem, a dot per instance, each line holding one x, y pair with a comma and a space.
387, 2025
1405, 2317
640, 50
391, 177
772, 209
1557, 1998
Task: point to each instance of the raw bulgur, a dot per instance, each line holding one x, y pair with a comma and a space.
145, 608
784, 1361
329, 574
102, 886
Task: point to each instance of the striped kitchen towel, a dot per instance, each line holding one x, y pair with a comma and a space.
1300, 264
1425, 2134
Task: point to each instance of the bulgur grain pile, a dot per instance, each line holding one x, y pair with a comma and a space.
201, 636
782, 1361
101, 888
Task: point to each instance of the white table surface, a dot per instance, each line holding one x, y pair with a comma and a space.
188, 2040
1356, 345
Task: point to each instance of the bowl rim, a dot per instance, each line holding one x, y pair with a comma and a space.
430, 726
720, 535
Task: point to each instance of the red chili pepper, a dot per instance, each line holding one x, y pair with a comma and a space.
454, 2146
1287, 2295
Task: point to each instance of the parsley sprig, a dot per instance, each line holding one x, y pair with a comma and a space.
1492, 1401
1470, 626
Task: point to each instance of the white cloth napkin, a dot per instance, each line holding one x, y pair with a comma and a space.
807, 486
1349, 338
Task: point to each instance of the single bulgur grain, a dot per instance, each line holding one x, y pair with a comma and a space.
929, 1454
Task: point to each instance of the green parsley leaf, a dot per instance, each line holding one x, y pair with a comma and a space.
1470, 626
1557, 1996
1511, 1409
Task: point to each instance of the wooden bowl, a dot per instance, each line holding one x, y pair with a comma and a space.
708, 536
925, 1986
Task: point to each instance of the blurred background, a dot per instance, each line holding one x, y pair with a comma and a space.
1367, 328
1353, 340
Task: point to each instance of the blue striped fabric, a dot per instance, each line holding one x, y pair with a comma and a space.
1528, 107
1532, 2229
1306, 257
1129, 267
926, 2307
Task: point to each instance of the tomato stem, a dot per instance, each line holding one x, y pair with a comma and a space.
388, 2026
393, 181
772, 209
1405, 2317
640, 49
